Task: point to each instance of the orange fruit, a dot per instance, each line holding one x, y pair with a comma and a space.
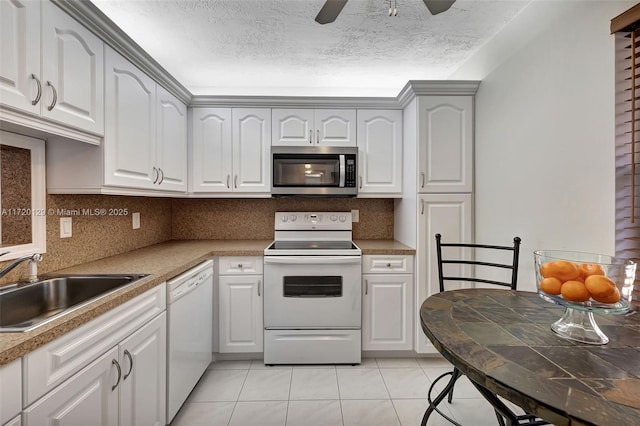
574, 291
560, 269
600, 286
587, 269
614, 298
550, 285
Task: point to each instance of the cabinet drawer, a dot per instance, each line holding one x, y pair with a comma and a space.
240, 265
10, 396
387, 264
48, 366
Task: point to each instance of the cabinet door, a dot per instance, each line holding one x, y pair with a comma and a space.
380, 151
451, 216
72, 72
445, 143
335, 127
251, 149
144, 374
240, 307
129, 141
20, 53
292, 127
211, 150
387, 312
87, 398
171, 141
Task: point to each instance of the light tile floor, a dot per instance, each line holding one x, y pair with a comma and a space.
378, 392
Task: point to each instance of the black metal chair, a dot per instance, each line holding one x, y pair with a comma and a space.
503, 413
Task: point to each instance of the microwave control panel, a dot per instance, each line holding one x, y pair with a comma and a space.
350, 173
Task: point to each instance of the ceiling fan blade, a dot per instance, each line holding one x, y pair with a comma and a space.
438, 6
330, 11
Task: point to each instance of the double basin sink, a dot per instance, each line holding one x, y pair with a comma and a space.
24, 307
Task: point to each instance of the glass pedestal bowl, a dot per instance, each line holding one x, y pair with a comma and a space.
578, 322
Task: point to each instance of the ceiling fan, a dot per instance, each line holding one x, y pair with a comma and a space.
332, 8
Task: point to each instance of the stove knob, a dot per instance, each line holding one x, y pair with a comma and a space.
334, 217
293, 218
284, 218
343, 218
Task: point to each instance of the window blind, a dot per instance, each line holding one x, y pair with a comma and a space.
626, 28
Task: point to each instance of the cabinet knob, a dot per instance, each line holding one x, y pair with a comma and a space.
55, 96
114, 362
388, 265
39, 94
128, 355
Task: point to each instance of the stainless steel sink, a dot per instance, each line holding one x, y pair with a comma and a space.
24, 307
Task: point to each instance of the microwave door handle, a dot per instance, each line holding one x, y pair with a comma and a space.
342, 170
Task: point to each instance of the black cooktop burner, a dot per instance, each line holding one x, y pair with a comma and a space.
312, 245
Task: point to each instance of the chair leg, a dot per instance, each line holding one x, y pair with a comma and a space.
454, 378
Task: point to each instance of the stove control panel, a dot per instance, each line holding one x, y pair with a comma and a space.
340, 221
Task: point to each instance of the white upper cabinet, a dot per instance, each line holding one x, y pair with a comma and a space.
21, 77
171, 141
251, 135
145, 143
309, 127
72, 72
380, 153
51, 67
211, 150
129, 142
445, 147
230, 151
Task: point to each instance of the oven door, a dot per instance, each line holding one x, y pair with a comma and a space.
312, 291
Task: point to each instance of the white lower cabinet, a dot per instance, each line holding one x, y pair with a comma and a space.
110, 371
89, 398
387, 305
240, 305
10, 400
143, 385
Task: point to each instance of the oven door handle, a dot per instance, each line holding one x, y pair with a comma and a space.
311, 260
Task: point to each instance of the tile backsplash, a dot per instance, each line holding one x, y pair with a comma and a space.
108, 230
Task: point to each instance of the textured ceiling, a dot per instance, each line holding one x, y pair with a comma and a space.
261, 47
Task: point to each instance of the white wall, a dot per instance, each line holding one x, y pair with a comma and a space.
544, 141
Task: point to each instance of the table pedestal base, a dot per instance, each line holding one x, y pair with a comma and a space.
579, 326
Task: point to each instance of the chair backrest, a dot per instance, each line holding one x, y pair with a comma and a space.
513, 266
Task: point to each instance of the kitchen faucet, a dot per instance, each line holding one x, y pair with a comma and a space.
33, 265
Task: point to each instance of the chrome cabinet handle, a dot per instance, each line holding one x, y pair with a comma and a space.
228, 177
39, 94
422, 180
318, 136
128, 355
235, 181
162, 174
421, 207
114, 362
366, 287
55, 96
156, 174
310, 136
259, 284
360, 177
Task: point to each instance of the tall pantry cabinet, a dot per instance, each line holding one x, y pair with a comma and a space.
438, 176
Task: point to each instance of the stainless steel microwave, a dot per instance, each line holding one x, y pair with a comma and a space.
314, 171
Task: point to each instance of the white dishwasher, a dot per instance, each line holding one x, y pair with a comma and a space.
189, 325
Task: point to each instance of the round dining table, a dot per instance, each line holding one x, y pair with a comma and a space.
502, 341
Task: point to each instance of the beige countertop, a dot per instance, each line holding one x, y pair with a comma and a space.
162, 262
